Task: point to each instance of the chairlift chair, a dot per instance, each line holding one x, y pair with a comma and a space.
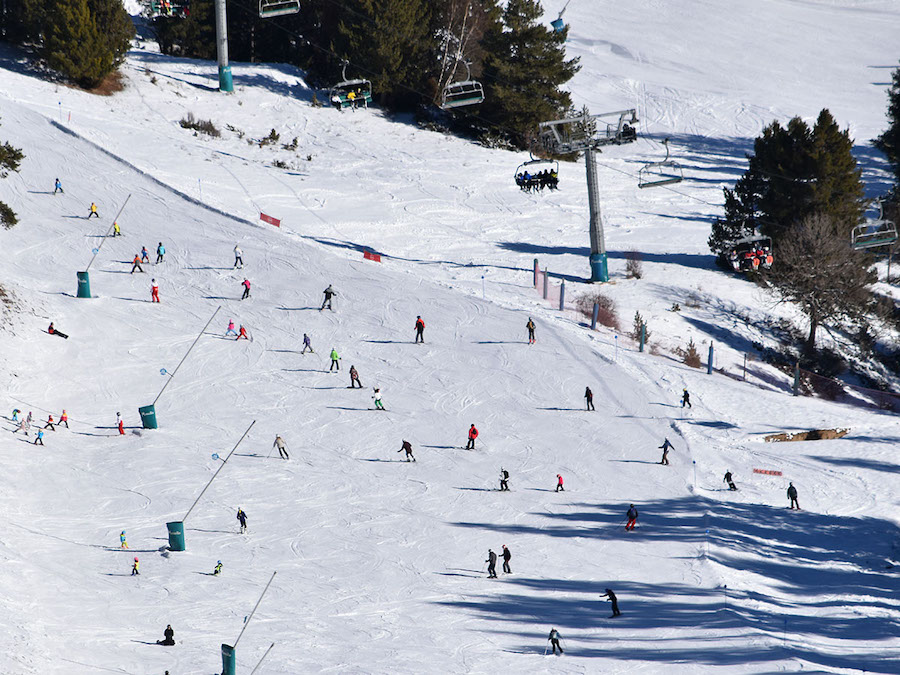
348, 93
751, 254
527, 178
656, 174
270, 8
459, 94
879, 232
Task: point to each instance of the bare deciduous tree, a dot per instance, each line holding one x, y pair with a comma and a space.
461, 26
817, 269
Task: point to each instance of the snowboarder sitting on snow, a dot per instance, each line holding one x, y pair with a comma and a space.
53, 331
588, 398
242, 518
408, 447
614, 600
728, 479
377, 396
559, 483
686, 399
169, 637
136, 264
354, 378
329, 293
554, 640
504, 480
420, 330
665, 447
492, 564
792, 495
282, 449
632, 518
217, 570
507, 556
473, 434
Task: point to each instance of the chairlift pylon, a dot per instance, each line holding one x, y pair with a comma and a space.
270, 8
656, 174
465, 92
528, 178
878, 232
347, 93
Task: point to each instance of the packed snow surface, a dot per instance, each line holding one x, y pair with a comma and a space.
380, 563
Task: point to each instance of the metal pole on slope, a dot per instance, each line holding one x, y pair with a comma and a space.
172, 374
263, 657
228, 659
249, 618
84, 278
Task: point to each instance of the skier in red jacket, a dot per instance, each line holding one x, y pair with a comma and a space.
473, 434
559, 483
420, 330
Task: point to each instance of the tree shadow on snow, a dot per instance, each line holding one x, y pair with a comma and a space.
809, 560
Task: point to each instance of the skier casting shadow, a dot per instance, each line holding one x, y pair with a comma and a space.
169, 637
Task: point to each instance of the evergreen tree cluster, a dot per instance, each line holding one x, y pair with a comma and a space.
795, 171
409, 49
10, 158
85, 40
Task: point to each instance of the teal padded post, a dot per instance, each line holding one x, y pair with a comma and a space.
148, 416
84, 284
176, 535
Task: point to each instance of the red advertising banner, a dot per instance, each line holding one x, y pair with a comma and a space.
270, 220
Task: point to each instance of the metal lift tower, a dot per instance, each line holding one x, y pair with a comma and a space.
587, 134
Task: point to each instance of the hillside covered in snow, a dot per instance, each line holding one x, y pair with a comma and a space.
381, 563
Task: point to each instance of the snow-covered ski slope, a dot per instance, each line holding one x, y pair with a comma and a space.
380, 562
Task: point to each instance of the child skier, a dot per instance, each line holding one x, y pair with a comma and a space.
64, 418
504, 480
15, 417
354, 378
230, 330
218, 568
307, 345
123, 543
559, 483
145, 257
136, 568
50, 423
160, 253
117, 232
120, 424
93, 212
136, 264
686, 399
246, 284
57, 187
242, 334
40, 437
55, 332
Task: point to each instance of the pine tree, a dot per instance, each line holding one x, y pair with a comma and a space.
889, 141
388, 42
794, 172
86, 39
10, 158
524, 67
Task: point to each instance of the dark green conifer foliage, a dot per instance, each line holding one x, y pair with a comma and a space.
524, 66
795, 171
889, 141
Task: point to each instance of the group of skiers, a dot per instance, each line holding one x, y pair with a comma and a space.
24, 424
492, 562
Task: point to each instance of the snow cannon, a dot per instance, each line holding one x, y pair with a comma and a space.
84, 285
176, 535
228, 660
148, 416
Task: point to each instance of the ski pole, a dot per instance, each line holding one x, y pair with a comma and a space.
546, 647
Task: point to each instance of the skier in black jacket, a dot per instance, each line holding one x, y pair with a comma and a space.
506, 558
614, 600
169, 637
492, 564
